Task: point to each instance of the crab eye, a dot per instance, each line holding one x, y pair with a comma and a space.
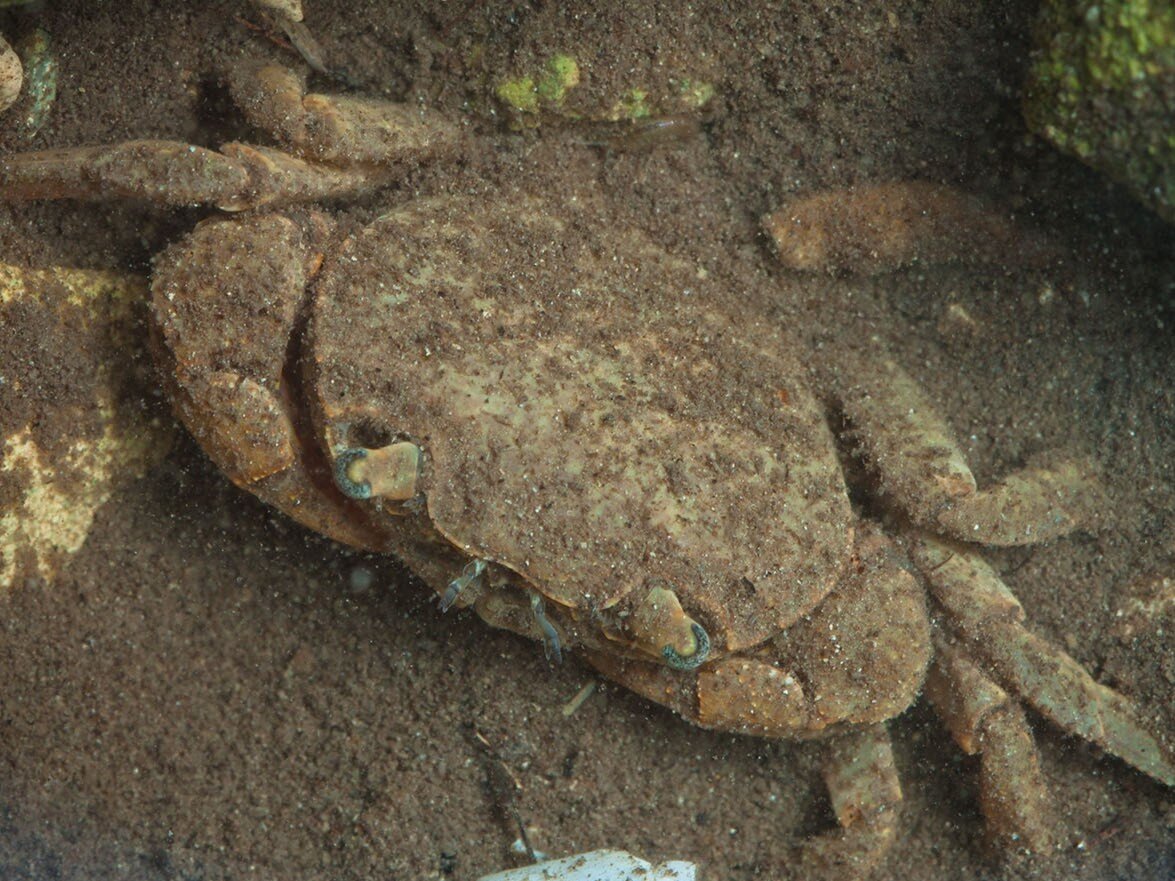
388, 472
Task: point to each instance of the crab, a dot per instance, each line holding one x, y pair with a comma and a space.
557, 423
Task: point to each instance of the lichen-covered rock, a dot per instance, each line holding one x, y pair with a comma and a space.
1102, 87
76, 420
11, 75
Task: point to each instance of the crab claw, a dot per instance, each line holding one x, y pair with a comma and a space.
694, 658
661, 627
388, 472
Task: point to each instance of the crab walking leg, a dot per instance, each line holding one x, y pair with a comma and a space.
290, 9
856, 661
986, 721
875, 228
175, 173
167, 171
1040, 502
240, 409
924, 470
339, 129
344, 145
990, 618
866, 796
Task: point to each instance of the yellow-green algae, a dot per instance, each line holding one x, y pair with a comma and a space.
639, 103
1102, 85
548, 88
695, 93
633, 105
549, 91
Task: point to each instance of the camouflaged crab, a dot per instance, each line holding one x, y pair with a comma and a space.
555, 422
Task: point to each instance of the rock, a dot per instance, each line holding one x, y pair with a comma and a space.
1101, 87
11, 76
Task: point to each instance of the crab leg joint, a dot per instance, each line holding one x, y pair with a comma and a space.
551, 640
473, 570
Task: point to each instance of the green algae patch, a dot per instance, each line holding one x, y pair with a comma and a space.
546, 89
28, 66
682, 96
519, 94
633, 105
695, 94
1101, 87
561, 74
560, 89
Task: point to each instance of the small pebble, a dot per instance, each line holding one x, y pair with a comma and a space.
360, 579
11, 76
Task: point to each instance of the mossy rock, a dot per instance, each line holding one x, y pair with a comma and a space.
1102, 87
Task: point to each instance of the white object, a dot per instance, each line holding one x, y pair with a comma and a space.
600, 865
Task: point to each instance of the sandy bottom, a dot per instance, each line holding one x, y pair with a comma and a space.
208, 691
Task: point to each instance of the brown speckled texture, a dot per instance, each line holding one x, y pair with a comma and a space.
208, 691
